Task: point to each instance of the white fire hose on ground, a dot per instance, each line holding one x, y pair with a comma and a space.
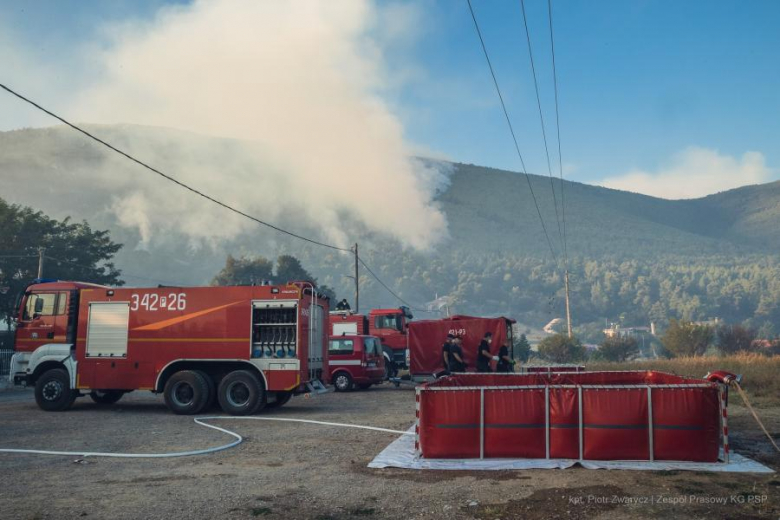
199, 420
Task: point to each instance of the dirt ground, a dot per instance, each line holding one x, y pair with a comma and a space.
288, 470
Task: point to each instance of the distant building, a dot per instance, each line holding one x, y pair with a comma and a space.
616, 331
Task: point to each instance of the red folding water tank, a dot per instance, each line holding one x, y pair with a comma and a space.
632, 415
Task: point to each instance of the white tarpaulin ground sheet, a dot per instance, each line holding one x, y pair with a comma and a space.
400, 454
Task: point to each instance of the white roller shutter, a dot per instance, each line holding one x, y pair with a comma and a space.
107, 329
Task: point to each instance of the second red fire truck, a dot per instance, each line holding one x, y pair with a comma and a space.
247, 347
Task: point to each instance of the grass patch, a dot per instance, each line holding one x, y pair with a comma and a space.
759, 373
261, 511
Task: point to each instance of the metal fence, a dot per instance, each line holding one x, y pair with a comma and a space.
6, 351
5, 361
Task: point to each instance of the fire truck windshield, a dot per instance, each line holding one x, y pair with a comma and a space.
389, 321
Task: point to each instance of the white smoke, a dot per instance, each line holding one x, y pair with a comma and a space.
302, 83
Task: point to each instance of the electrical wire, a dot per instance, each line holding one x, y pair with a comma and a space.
383, 284
541, 120
193, 190
511, 130
558, 131
123, 274
168, 177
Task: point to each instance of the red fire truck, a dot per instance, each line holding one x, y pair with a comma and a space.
247, 347
389, 325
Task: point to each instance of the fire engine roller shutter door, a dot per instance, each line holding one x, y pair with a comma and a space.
107, 329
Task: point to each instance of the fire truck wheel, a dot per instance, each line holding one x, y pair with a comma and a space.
212, 390
281, 399
343, 382
106, 396
241, 393
53, 392
186, 392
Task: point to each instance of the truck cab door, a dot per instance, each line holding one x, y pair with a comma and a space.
43, 320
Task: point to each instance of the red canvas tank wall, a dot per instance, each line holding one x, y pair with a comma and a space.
603, 416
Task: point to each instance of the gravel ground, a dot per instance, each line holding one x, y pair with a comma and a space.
288, 470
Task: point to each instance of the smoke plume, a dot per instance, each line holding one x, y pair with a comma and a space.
301, 84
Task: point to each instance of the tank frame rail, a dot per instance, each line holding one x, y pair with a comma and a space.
722, 400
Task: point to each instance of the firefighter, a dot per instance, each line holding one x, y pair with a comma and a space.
445, 353
484, 357
456, 355
343, 305
505, 363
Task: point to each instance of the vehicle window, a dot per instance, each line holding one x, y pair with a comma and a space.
391, 321
61, 301
341, 346
45, 307
375, 349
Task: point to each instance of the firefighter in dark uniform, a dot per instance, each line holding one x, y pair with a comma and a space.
456, 356
484, 357
343, 305
445, 353
505, 363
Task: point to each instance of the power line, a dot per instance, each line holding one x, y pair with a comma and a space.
383, 284
511, 130
541, 119
187, 187
123, 274
558, 129
168, 177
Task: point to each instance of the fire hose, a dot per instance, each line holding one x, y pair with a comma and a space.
733, 380
199, 420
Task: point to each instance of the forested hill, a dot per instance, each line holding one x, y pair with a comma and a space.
59, 171
633, 257
493, 210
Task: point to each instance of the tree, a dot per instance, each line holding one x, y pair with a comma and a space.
559, 348
72, 251
253, 271
618, 348
244, 271
522, 348
685, 338
289, 269
734, 338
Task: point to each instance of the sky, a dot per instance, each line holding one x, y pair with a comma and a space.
668, 98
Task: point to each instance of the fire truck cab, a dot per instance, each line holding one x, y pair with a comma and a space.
354, 361
247, 347
389, 325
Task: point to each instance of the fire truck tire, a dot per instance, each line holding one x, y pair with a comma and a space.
281, 399
106, 396
241, 393
53, 392
186, 392
212, 390
342, 382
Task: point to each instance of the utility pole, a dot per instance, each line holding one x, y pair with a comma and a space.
357, 281
568, 309
40, 262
